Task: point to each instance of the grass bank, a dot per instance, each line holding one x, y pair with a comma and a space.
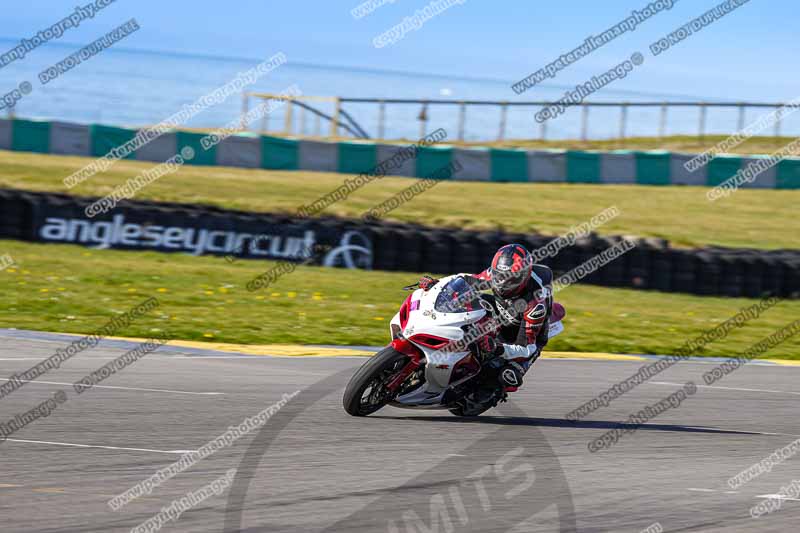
65, 288
749, 218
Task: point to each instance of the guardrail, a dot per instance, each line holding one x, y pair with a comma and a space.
340, 121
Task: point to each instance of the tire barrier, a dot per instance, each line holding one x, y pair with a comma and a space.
206, 230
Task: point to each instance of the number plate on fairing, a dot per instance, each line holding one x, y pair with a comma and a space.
555, 329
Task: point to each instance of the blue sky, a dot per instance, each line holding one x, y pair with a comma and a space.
746, 55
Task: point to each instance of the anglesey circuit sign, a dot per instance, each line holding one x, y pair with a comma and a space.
243, 237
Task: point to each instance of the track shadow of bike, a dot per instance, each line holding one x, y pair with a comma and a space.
516, 484
559, 423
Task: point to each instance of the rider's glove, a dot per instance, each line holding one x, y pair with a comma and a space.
490, 347
537, 352
426, 282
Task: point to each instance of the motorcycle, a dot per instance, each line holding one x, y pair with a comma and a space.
433, 360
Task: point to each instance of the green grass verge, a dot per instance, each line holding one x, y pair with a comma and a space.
673, 143
749, 218
66, 288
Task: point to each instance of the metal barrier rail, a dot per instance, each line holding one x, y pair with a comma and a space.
336, 119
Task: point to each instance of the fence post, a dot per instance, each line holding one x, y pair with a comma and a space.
623, 118
316, 125
335, 122
778, 118
287, 125
245, 105
585, 122
702, 120
302, 121
503, 110
741, 117
265, 121
462, 119
423, 119
662, 126
381, 119
543, 131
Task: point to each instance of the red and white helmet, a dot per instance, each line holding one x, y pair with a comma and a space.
510, 270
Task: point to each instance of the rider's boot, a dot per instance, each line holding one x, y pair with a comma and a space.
511, 374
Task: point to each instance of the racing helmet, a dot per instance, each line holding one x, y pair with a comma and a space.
510, 270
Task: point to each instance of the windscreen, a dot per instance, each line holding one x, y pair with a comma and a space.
457, 297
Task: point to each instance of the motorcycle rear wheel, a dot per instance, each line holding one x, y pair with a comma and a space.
466, 412
468, 408
365, 392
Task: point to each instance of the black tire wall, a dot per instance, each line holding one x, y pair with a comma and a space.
652, 264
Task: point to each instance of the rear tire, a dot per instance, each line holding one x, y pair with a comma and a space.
463, 411
371, 374
470, 409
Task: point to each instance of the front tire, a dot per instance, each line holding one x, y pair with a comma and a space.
365, 392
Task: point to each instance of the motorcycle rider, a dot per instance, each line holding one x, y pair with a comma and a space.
523, 298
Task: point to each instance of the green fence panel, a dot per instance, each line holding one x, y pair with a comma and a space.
185, 140
583, 167
357, 158
722, 168
106, 138
788, 174
508, 165
431, 159
652, 168
278, 153
30, 136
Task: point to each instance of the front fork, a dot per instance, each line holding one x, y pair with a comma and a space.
415, 355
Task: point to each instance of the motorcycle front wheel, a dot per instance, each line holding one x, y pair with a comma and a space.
366, 391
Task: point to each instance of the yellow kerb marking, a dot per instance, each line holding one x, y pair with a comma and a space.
314, 351
783, 362
590, 355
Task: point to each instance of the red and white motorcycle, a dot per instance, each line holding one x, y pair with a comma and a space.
433, 361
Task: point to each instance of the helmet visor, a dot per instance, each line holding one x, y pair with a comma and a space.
507, 283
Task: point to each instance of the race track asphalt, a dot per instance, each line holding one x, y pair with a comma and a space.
520, 467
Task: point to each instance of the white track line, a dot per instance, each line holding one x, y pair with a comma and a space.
23, 358
754, 362
724, 388
777, 497
715, 490
121, 388
767, 496
175, 452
